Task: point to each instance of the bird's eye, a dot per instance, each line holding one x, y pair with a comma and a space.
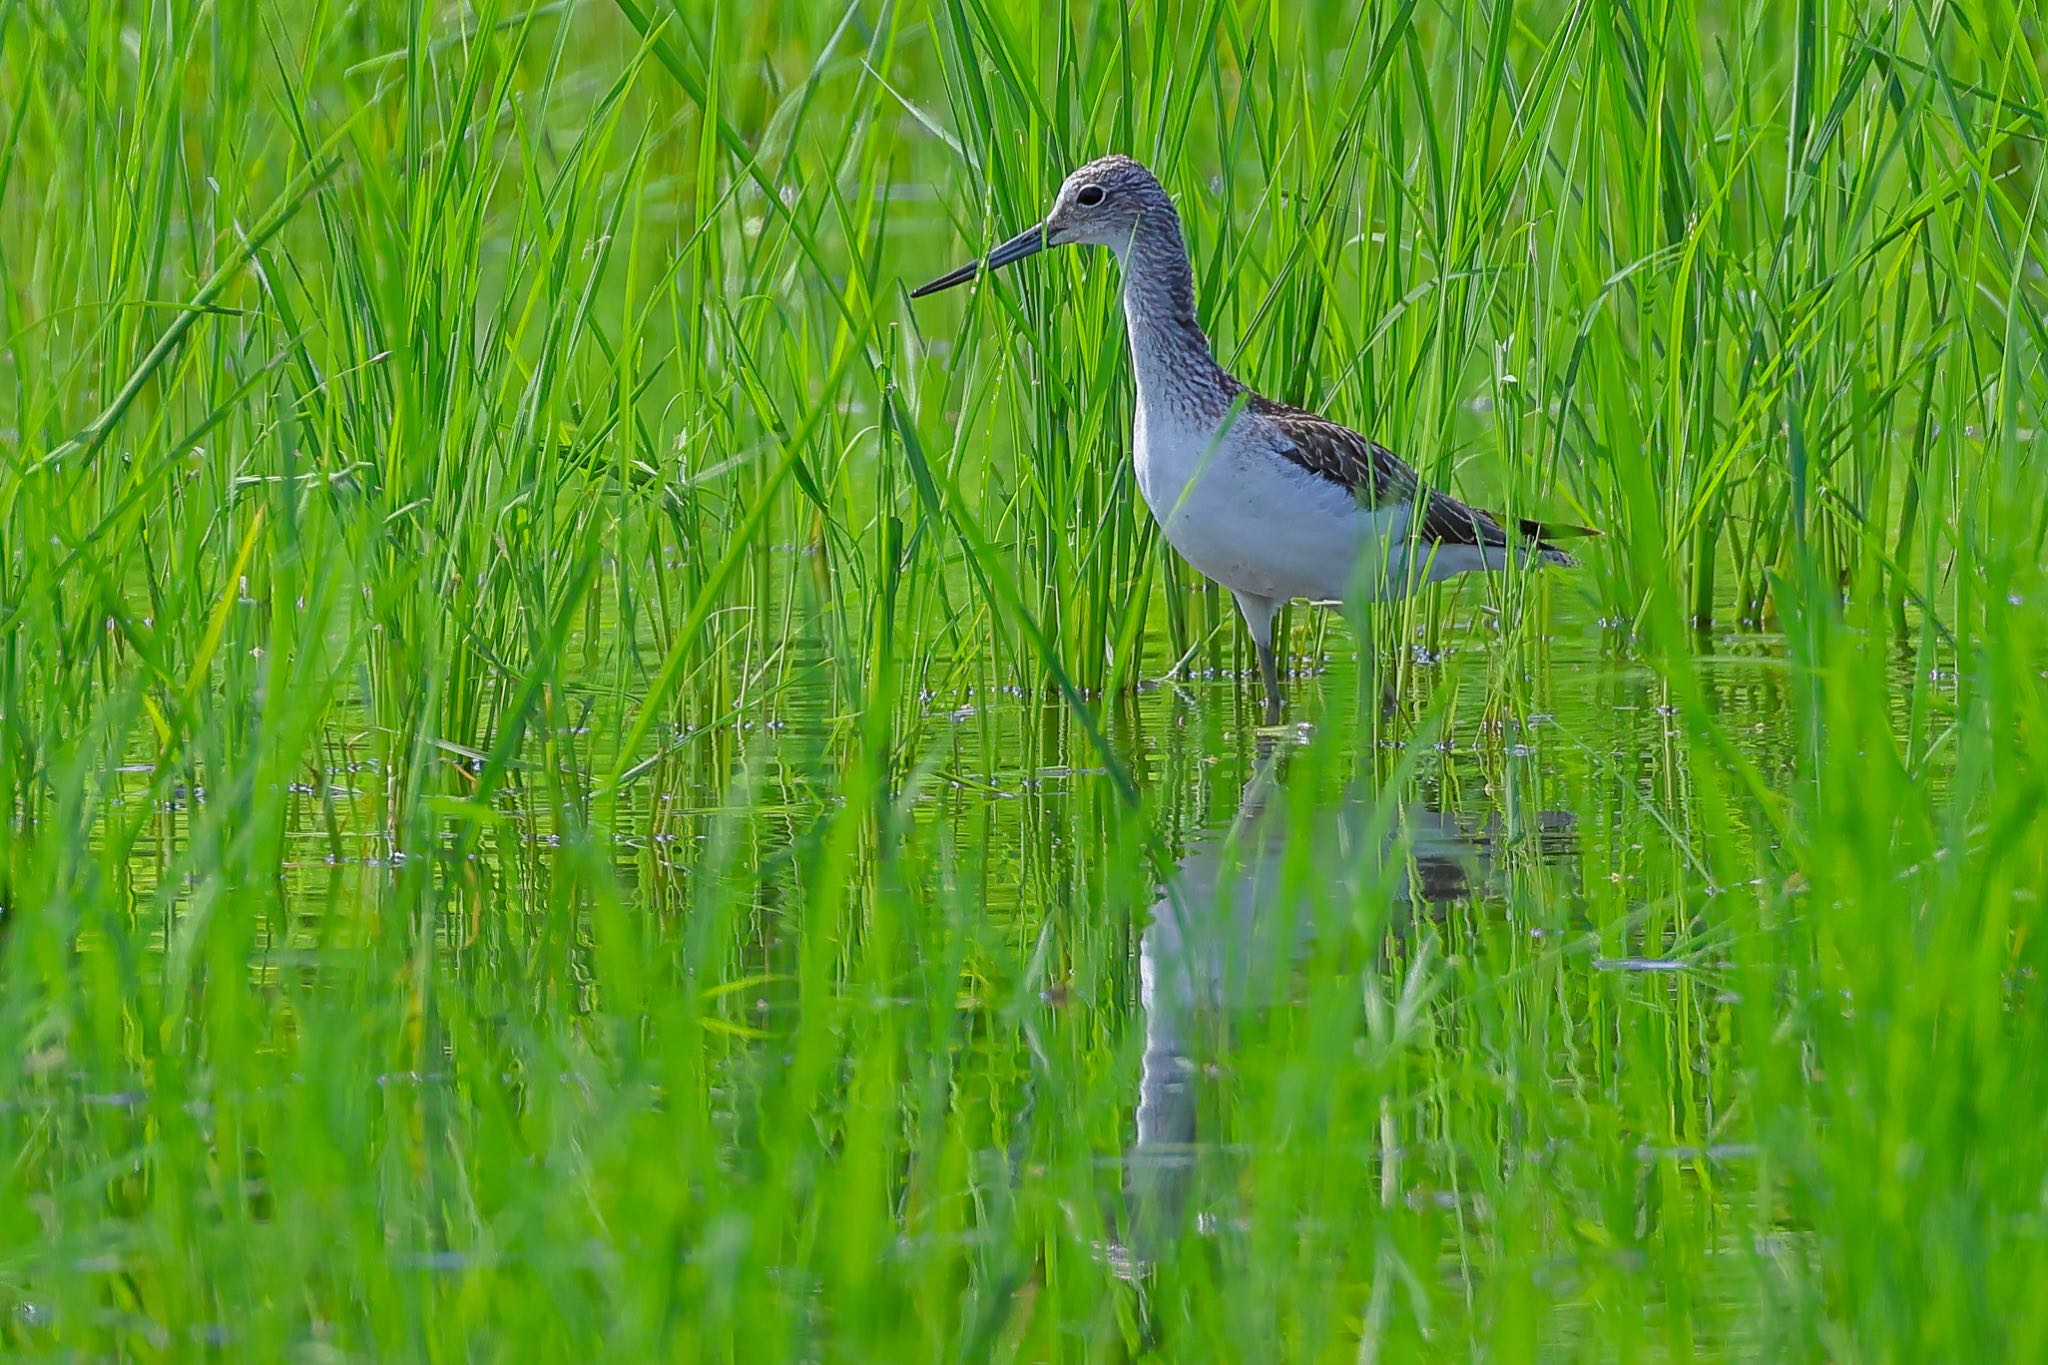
1089, 197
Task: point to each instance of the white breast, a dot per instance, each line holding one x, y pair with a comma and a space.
1245, 516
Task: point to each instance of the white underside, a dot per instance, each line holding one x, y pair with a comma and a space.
1270, 531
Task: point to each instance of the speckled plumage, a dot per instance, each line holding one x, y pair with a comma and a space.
1271, 501
1179, 379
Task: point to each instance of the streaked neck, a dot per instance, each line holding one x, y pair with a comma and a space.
1170, 355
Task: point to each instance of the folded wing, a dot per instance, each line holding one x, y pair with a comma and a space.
1377, 476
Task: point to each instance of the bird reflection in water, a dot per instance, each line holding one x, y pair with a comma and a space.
1239, 911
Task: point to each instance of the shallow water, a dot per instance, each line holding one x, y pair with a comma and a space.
1427, 993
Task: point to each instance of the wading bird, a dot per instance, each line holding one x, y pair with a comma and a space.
1270, 501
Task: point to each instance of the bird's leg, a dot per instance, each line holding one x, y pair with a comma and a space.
1269, 670
1258, 617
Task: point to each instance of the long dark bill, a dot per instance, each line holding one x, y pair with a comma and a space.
1026, 243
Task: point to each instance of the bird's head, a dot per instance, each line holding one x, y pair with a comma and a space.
1101, 204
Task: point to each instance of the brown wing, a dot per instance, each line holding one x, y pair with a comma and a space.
1375, 475
1450, 522
1337, 453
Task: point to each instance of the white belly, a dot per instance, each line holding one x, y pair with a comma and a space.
1257, 524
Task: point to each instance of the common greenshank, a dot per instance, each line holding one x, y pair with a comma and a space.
1269, 500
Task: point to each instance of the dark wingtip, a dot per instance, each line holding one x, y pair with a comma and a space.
1541, 533
1555, 530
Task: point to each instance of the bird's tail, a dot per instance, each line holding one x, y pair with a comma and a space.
1544, 532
